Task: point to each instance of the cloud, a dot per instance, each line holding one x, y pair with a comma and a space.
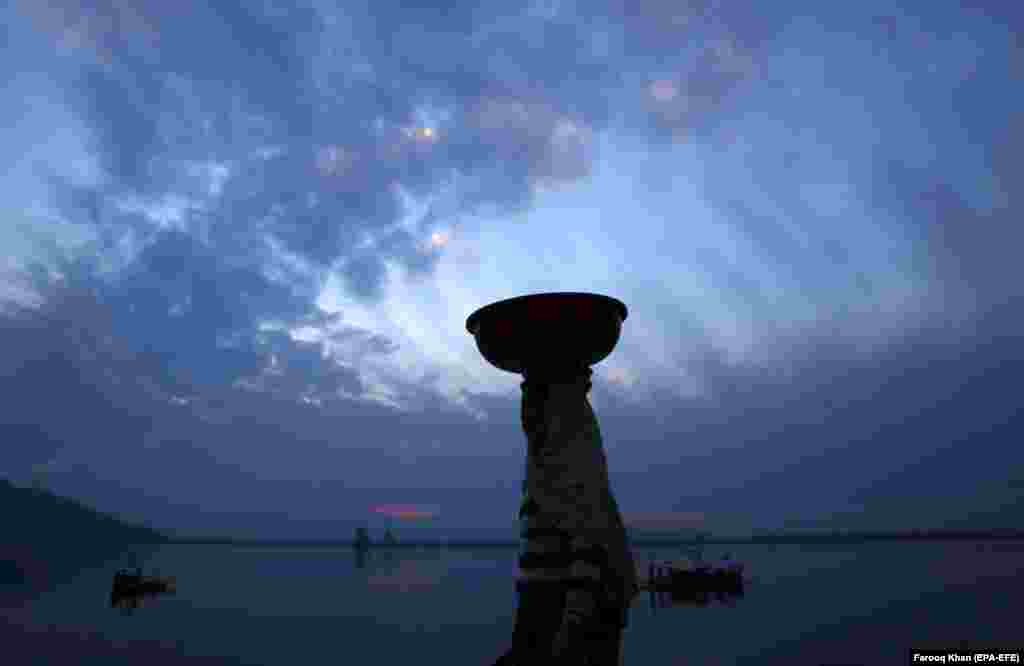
134, 54
848, 428
248, 218
344, 137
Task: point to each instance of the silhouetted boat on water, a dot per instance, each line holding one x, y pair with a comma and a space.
132, 586
694, 582
696, 575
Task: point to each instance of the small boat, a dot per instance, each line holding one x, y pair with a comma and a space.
133, 585
693, 574
694, 582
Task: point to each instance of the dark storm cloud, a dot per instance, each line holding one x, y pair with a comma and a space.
288, 197
168, 352
927, 416
227, 54
61, 378
180, 323
972, 250
124, 418
166, 88
970, 242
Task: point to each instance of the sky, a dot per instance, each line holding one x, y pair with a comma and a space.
241, 240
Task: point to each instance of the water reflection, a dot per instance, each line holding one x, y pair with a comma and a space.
408, 575
361, 556
254, 602
695, 597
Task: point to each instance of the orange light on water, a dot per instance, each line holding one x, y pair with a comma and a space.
404, 511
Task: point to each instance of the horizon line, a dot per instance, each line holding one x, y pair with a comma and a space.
763, 537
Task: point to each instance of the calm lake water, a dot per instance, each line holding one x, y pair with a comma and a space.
839, 604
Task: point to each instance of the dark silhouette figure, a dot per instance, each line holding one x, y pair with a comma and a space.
576, 576
128, 589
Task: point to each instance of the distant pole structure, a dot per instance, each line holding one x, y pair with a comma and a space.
362, 540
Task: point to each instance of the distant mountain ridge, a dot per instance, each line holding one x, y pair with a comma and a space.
35, 515
45, 537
